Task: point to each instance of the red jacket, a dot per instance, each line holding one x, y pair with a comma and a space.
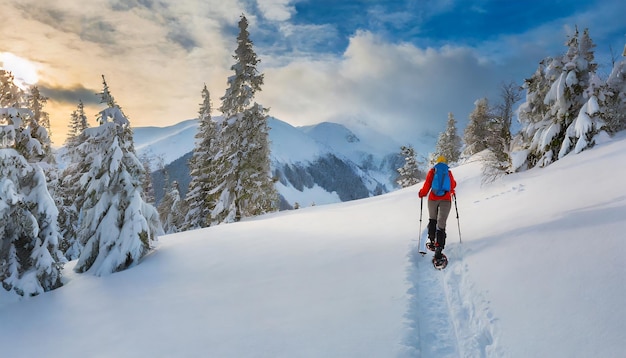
429, 180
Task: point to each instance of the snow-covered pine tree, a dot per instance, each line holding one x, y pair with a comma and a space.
409, 173
117, 227
202, 168
39, 122
78, 123
10, 94
615, 100
39, 125
449, 143
70, 196
30, 260
148, 187
550, 137
583, 117
172, 209
534, 115
476, 132
245, 188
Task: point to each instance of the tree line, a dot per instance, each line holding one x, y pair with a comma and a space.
98, 208
567, 107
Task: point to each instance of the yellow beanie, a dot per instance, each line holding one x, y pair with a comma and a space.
441, 159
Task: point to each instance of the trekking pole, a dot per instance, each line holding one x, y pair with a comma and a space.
421, 208
457, 217
419, 240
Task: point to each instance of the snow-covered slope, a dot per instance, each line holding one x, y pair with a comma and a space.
352, 146
321, 164
540, 273
166, 143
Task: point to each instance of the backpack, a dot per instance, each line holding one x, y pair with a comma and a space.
441, 180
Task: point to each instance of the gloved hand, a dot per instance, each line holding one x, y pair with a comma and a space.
421, 194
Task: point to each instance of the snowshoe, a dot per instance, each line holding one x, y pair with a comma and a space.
441, 263
430, 246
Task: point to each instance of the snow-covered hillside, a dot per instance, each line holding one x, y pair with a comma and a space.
540, 273
321, 164
166, 143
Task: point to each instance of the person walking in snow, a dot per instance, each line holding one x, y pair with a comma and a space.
441, 184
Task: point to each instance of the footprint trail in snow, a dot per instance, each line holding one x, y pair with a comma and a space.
447, 316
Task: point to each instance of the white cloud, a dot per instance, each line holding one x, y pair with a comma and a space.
276, 10
156, 59
157, 55
402, 90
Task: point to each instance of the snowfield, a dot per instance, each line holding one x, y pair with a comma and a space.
540, 273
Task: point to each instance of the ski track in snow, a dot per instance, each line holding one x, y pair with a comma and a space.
447, 316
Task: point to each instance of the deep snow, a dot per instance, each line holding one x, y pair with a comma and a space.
540, 273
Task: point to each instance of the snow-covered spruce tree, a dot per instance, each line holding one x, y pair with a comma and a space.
117, 227
615, 98
30, 261
39, 122
172, 209
39, 126
587, 91
476, 132
534, 115
11, 96
409, 173
70, 196
202, 168
245, 187
547, 132
148, 187
78, 123
449, 143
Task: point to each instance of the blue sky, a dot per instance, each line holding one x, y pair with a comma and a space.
440, 23
396, 66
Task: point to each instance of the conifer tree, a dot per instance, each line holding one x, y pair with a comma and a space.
172, 209
449, 143
147, 185
583, 119
533, 114
39, 122
11, 96
476, 132
202, 168
78, 123
245, 188
615, 97
70, 196
409, 173
548, 133
117, 226
30, 259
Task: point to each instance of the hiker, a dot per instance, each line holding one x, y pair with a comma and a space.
440, 183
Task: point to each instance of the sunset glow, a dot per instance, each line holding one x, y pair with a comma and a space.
22, 69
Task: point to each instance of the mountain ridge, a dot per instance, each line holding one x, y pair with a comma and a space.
317, 164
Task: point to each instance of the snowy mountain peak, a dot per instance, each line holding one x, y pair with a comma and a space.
317, 164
